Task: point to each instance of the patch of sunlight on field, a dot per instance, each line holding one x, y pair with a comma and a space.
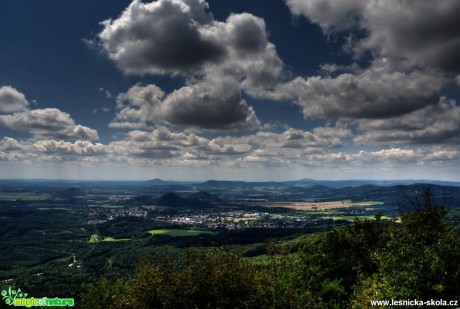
115, 239
319, 206
367, 203
96, 238
352, 218
178, 232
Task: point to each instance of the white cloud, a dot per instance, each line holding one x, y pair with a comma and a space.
421, 32
163, 146
320, 138
63, 148
160, 37
291, 149
181, 36
137, 107
56, 151
331, 15
48, 122
376, 92
250, 57
12, 100
221, 59
438, 123
401, 156
211, 105
9, 143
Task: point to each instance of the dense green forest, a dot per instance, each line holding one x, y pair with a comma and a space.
416, 258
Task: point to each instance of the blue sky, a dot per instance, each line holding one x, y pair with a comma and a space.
251, 90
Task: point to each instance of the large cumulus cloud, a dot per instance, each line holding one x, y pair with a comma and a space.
421, 32
211, 105
223, 60
215, 105
376, 92
160, 37
181, 36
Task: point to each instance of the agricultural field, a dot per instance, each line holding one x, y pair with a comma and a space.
24, 196
97, 238
319, 206
111, 206
179, 232
352, 218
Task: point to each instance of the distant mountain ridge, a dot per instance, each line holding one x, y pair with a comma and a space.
308, 182
81, 184
155, 181
70, 192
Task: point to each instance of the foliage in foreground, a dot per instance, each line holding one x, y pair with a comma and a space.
347, 267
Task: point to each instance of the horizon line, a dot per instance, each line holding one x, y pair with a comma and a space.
235, 180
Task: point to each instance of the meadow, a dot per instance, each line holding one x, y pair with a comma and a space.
179, 232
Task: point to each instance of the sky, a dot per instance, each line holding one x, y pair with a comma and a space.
230, 89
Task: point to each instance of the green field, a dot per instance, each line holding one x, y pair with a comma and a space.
25, 196
111, 206
352, 218
115, 239
178, 232
367, 203
96, 238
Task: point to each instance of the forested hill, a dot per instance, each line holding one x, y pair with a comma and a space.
200, 199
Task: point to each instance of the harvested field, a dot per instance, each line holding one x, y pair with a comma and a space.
318, 206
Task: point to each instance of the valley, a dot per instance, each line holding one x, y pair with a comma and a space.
91, 230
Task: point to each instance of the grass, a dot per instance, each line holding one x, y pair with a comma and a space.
25, 196
96, 238
367, 203
178, 232
115, 239
352, 218
111, 206
362, 203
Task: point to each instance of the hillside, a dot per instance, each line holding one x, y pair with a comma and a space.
204, 196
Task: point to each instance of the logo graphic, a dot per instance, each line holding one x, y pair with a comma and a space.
10, 295
18, 298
